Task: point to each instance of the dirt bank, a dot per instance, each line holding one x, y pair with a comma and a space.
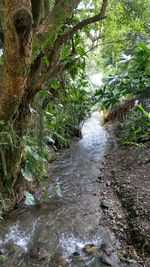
125, 198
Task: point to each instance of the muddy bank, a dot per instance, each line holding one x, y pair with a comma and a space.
125, 197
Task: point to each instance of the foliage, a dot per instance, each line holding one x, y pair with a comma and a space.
131, 80
64, 115
125, 27
137, 128
55, 124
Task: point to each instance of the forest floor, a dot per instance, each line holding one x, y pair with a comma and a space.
125, 199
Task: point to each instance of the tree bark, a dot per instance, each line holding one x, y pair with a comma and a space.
17, 54
17, 61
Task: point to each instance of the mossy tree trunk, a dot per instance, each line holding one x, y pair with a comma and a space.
17, 61
17, 54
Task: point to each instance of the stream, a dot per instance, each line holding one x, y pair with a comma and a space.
58, 231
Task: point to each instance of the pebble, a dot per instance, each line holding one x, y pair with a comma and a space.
108, 183
110, 214
119, 216
105, 204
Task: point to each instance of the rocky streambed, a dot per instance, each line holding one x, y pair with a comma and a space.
82, 221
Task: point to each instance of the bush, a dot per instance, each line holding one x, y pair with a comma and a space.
137, 128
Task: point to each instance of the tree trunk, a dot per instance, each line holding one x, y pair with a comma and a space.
17, 54
17, 61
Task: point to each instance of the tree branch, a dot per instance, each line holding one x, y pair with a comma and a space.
54, 56
87, 21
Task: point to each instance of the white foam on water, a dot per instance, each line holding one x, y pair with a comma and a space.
17, 236
70, 243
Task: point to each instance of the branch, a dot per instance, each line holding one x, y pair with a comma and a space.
54, 56
87, 21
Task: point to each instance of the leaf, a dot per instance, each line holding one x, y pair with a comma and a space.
27, 174
55, 85
45, 193
147, 114
29, 199
58, 190
2, 122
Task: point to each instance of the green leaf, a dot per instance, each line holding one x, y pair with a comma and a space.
45, 193
55, 85
58, 190
147, 114
27, 174
29, 199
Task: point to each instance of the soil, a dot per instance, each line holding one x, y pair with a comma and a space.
125, 198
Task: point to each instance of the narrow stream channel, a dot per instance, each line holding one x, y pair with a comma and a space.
62, 225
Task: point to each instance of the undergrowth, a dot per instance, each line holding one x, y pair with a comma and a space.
136, 129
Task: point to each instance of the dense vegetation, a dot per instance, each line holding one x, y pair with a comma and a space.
48, 51
126, 95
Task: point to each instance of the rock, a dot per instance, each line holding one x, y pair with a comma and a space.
39, 253
107, 248
119, 216
108, 183
59, 261
110, 214
105, 204
77, 257
76, 254
90, 249
115, 228
109, 261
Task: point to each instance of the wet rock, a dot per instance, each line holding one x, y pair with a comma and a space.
105, 204
59, 260
109, 261
39, 253
90, 249
107, 248
77, 257
76, 254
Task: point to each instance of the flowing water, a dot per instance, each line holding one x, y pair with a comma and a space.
40, 235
